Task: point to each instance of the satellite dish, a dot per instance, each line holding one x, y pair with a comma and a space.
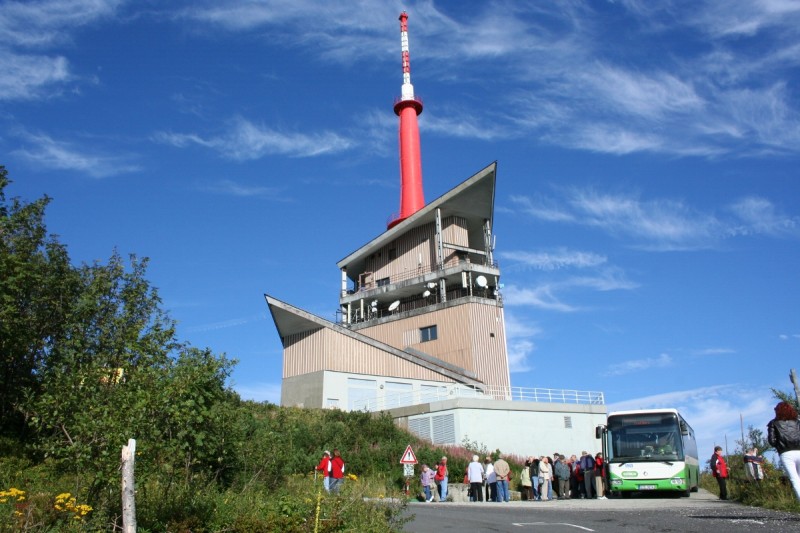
426, 294
394, 305
481, 282
431, 284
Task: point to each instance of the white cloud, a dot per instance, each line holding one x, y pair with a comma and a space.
542, 297
562, 77
556, 259
637, 365
519, 351
650, 96
759, 216
27, 77
225, 324
231, 188
716, 413
245, 141
714, 351
661, 224
44, 151
519, 336
38, 23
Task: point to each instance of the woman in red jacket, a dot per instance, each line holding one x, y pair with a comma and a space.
337, 471
720, 471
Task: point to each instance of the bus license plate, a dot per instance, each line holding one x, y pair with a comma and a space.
647, 487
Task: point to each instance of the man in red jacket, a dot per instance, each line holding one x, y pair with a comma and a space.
720, 471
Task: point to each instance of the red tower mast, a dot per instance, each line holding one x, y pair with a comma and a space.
407, 108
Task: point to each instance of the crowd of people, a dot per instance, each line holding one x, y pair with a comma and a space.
541, 478
561, 478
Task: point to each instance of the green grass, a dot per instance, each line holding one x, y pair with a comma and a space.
774, 492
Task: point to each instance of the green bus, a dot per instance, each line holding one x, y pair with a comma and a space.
649, 450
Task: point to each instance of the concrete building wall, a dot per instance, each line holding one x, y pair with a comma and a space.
349, 391
522, 428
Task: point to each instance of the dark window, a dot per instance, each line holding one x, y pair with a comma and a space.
392, 254
427, 334
383, 282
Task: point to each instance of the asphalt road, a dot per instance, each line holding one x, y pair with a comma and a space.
702, 512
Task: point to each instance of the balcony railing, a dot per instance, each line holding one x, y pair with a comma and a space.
516, 394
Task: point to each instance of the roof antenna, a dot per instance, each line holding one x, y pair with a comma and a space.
407, 108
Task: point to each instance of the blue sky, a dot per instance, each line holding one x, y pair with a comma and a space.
647, 217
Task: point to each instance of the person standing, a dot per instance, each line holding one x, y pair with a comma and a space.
503, 473
425, 479
562, 473
441, 479
491, 480
324, 466
545, 478
534, 471
475, 477
587, 469
574, 470
337, 472
525, 481
783, 432
754, 465
600, 476
720, 470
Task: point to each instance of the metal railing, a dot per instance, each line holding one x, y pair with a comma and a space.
516, 394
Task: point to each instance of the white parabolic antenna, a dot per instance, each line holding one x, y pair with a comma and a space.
431, 284
481, 282
394, 305
426, 294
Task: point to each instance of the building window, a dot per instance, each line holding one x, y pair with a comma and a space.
567, 422
392, 254
427, 334
383, 282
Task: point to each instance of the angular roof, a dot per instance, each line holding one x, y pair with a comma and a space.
291, 320
473, 200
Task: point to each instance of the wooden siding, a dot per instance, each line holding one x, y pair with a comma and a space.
415, 252
463, 339
328, 350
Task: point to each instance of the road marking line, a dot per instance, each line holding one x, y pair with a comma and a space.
521, 524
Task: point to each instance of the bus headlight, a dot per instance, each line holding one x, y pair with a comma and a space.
676, 481
616, 482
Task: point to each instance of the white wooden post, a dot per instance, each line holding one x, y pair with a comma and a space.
128, 489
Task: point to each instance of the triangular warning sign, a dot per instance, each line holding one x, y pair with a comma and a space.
408, 457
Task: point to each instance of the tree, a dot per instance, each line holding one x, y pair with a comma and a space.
37, 288
786, 397
754, 438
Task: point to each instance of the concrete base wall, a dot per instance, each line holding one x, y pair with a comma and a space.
521, 428
305, 390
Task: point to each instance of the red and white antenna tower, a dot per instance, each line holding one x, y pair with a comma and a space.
407, 108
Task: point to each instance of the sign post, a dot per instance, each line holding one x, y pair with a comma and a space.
408, 460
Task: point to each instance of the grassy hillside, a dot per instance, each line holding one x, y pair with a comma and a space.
267, 484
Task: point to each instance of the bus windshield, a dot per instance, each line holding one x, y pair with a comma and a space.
645, 437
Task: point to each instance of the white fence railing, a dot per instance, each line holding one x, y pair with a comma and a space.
517, 394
